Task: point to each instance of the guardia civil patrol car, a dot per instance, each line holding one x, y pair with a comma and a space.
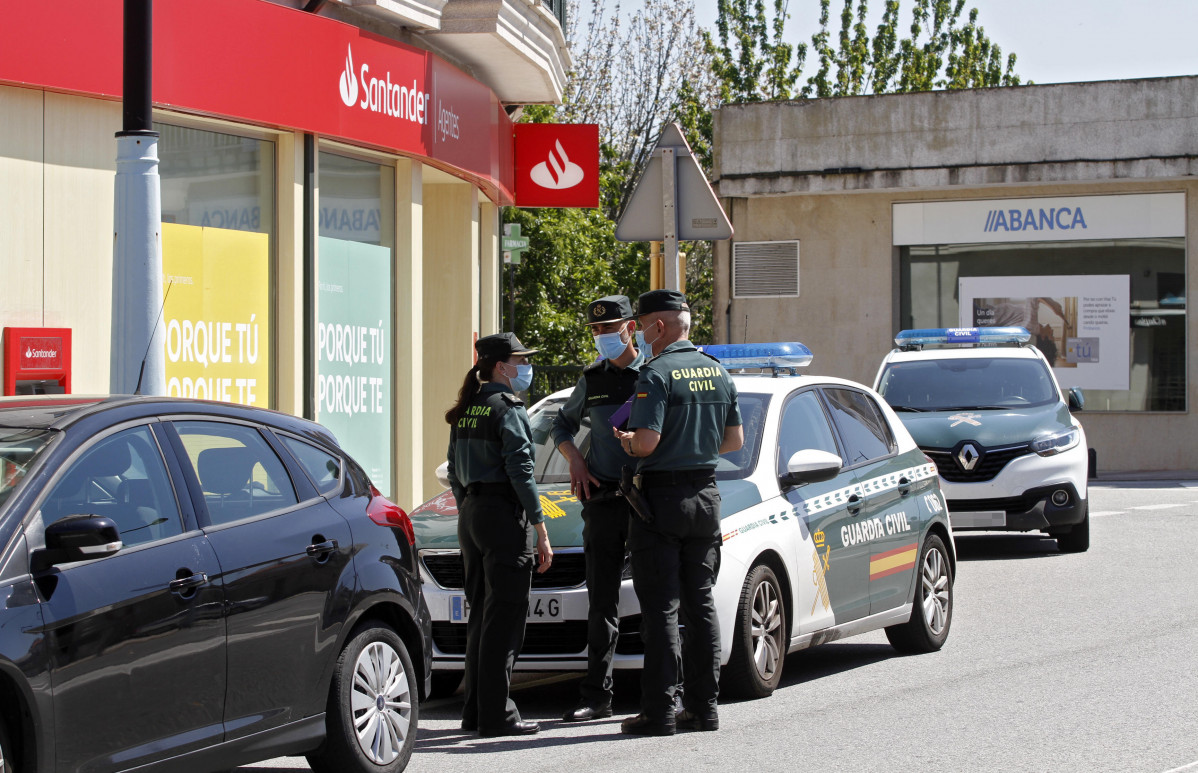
833, 525
984, 404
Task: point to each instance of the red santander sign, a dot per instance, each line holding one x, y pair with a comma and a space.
557, 165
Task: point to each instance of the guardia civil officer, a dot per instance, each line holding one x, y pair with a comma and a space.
684, 415
602, 391
499, 519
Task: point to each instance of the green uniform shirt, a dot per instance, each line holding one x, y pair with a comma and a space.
602, 389
689, 398
492, 443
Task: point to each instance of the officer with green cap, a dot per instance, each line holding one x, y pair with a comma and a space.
684, 415
499, 520
603, 390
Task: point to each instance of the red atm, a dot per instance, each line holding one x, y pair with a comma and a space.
37, 360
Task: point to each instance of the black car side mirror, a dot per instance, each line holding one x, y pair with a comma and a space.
1077, 400
78, 538
810, 466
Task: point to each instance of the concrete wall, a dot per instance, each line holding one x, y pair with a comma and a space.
781, 173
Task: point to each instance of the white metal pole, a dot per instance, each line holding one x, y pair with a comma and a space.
669, 171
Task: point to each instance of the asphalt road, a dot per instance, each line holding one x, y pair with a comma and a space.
1085, 662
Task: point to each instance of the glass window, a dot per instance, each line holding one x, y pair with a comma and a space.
18, 449
240, 474
1156, 271
323, 467
740, 464
967, 384
121, 477
216, 180
863, 428
804, 425
551, 466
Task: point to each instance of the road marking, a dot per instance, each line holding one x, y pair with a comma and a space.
1101, 513
1157, 507
1191, 766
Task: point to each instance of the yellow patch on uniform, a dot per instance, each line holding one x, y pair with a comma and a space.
642, 394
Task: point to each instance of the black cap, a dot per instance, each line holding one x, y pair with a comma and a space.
610, 308
500, 346
660, 300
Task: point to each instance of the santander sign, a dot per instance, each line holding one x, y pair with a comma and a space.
556, 165
381, 95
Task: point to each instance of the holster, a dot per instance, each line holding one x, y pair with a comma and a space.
631, 490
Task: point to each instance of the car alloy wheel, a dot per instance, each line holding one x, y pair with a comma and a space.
759, 638
935, 579
382, 704
767, 630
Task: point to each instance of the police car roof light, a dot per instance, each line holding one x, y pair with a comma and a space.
942, 336
779, 355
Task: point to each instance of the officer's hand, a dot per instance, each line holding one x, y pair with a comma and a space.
625, 439
581, 478
544, 552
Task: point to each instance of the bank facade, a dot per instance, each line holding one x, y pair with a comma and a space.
1064, 208
332, 176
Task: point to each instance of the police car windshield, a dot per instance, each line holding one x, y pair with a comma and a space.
982, 383
552, 468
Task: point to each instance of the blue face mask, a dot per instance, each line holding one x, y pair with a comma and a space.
610, 345
523, 378
641, 346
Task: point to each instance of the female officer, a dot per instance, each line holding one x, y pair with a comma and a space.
491, 475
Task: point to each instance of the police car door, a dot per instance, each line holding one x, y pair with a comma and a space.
834, 590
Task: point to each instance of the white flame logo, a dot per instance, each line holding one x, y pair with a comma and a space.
564, 173
29, 353
349, 83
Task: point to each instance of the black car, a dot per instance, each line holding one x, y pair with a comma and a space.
192, 586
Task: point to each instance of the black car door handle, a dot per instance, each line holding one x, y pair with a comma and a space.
904, 486
185, 584
855, 503
321, 550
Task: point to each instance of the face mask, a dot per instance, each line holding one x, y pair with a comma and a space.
610, 345
643, 345
523, 378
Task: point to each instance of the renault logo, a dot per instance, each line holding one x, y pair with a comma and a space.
968, 457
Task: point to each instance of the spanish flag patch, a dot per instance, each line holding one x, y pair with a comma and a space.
642, 394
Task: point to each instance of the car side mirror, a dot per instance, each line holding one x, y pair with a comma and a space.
810, 466
443, 473
79, 538
1077, 400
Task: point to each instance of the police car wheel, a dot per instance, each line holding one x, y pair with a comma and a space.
932, 613
8, 762
760, 638
445, 683
1077, 539
373, 708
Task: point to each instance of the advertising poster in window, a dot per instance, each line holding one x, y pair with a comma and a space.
353, 337
1080, 323
216, 314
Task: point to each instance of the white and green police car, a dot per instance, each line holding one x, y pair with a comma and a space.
985, 406
833, 525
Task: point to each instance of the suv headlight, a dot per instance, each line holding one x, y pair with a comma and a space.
1047, 445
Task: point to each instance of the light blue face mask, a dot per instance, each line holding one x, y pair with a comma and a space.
610, 345
522, 379
641, 346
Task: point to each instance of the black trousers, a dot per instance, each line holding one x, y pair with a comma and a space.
497, 552
675, 561
604, 540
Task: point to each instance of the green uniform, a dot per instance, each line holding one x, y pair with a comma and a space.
688, 398
491, 474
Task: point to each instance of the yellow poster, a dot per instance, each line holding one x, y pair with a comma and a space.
217, 314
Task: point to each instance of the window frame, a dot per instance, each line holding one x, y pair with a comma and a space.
846, 464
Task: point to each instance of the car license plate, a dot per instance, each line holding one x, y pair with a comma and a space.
979, 519
542, 608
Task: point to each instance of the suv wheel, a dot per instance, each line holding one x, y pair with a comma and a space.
932, 614
1077, 539
760, 638
373, 709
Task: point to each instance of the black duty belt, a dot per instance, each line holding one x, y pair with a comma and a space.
675, 477
498, 488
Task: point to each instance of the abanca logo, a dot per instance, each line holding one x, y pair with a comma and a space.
380, 95
564, 173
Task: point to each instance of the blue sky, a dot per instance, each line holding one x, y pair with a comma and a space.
1058, 41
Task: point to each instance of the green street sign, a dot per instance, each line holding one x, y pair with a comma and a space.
512, 243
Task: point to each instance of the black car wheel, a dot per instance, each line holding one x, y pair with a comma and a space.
932, 614
8, 762
759, 646
1077, 539
374, 707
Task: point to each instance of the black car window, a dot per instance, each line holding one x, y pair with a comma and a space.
804, 425
240, 474
122, 477
863, 428
967, 383
18, 450
323, 467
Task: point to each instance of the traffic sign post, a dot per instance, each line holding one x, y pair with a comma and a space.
689, 208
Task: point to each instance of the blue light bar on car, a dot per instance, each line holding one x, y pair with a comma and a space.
786, 354
962, 335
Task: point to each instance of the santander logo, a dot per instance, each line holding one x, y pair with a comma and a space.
558, 172
349, 83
